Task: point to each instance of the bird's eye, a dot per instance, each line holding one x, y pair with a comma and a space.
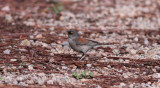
70, 32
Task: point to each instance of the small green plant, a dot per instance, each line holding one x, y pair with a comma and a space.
57, 8
23, 63
83, 75
1, 78
75, 75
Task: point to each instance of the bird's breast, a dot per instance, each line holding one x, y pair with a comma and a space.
72, 44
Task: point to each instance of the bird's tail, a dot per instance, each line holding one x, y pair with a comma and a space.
108, 44
113, 43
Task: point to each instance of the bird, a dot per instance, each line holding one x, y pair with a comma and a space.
80, 44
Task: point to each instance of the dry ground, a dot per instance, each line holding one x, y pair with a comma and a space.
34, 51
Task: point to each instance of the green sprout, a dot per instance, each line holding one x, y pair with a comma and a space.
57, 8
83, 75
1, 78
75, 75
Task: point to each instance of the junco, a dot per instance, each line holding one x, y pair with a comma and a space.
79, 44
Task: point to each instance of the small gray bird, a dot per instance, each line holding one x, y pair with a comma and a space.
79, 44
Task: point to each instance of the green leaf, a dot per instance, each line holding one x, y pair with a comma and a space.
84, 73
1, 78
75, 75
91, 74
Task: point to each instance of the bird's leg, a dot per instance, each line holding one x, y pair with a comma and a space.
83, 55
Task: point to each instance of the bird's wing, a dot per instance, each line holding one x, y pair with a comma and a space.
82, 41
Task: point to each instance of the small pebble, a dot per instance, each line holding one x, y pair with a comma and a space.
89, 65
6, 8
15, 82
50, 82
64, 67
146, 42
83, 80
13, 60
122, 84
39, 36
44, 44
40, 82
136, 39
51, 60
133, 52
22, 83
30, 67
26, 42
7, 51
8, 17
30, 82
19, 78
